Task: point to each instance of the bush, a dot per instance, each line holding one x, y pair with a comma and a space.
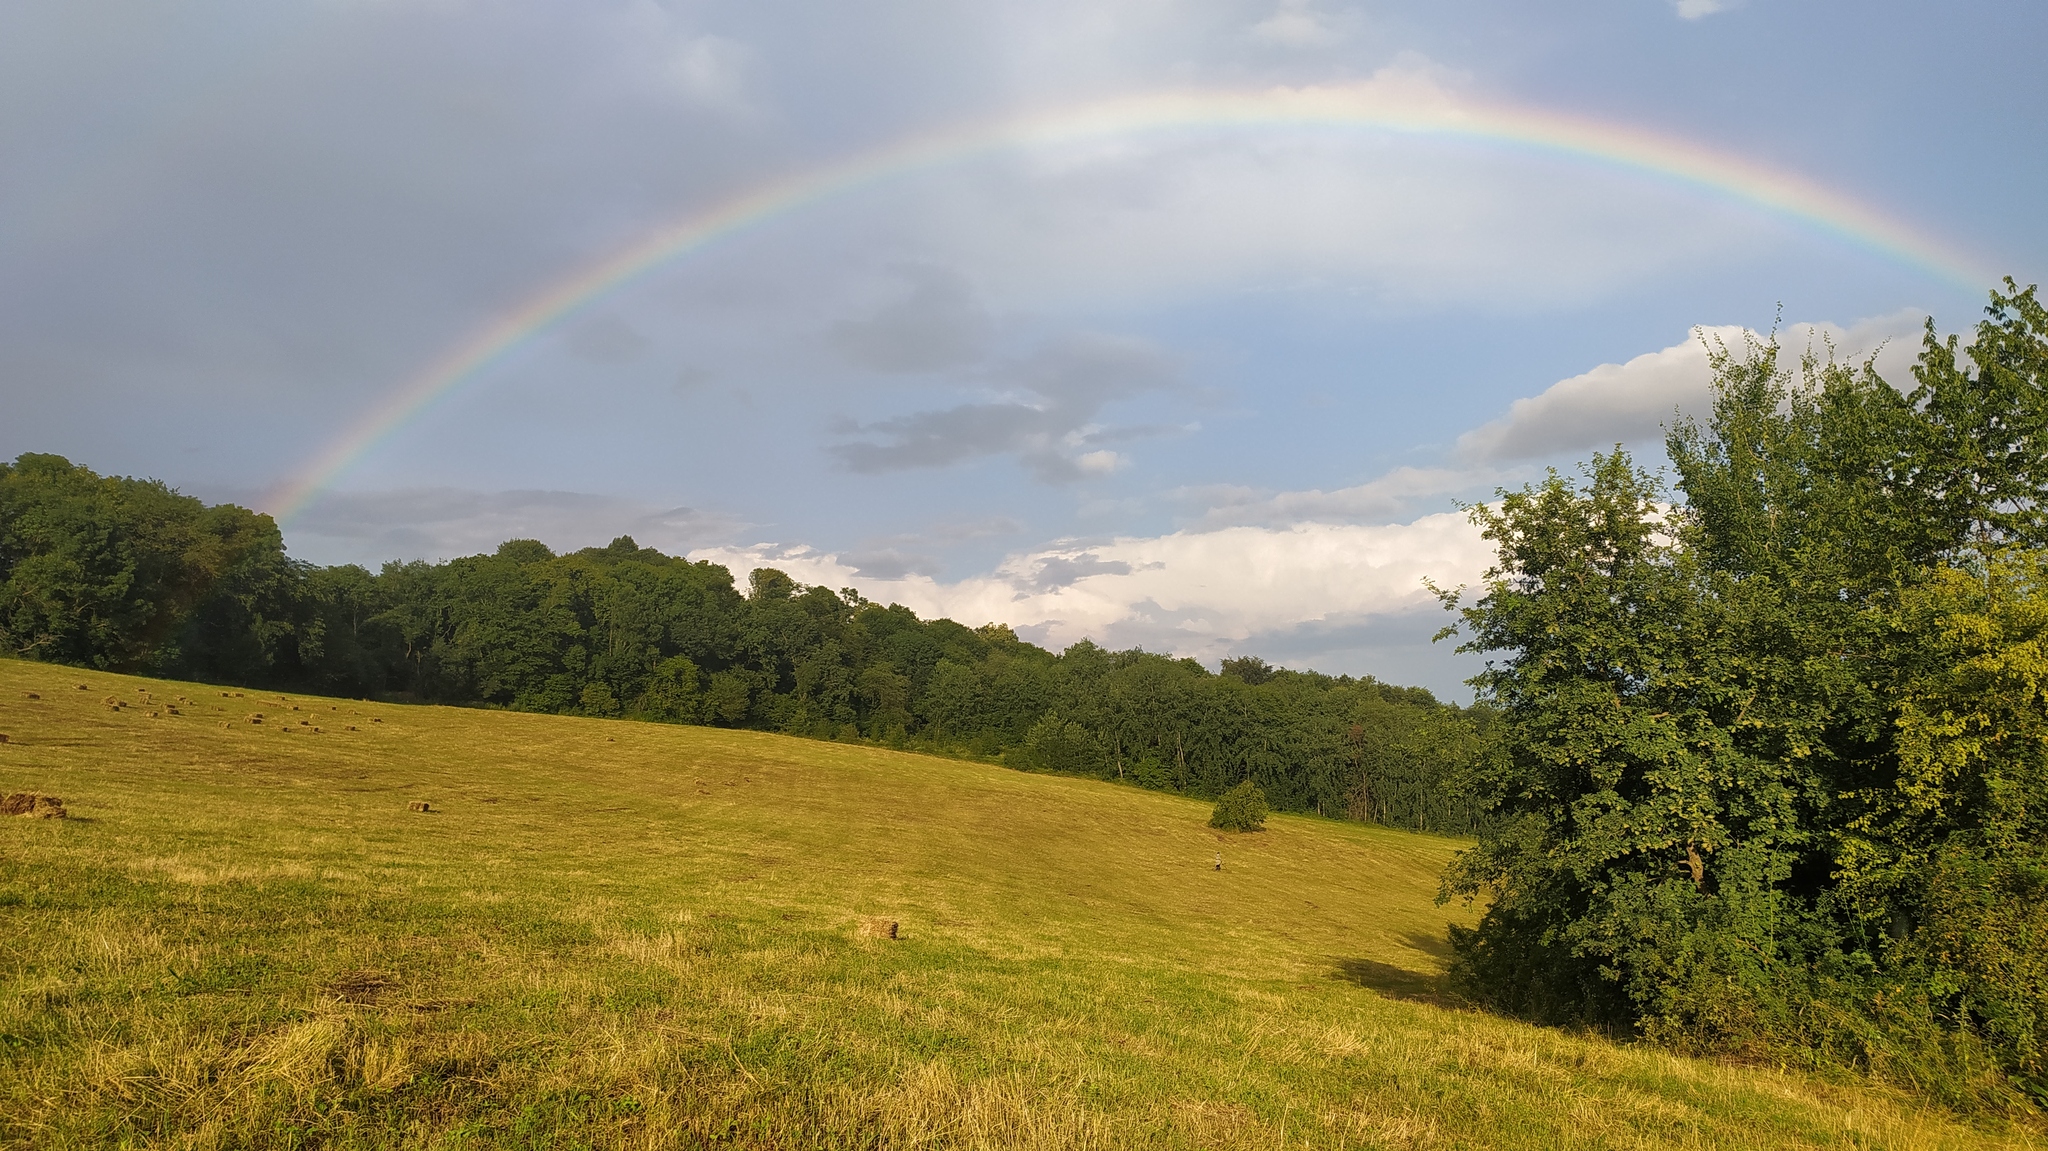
1242, 808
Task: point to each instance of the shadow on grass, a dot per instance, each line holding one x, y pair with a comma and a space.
1396, 982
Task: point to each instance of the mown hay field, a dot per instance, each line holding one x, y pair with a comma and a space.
612, 934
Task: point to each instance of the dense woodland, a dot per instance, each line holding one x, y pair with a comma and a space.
127, 574
1769, 769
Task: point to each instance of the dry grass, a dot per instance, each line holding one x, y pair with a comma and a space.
619, 935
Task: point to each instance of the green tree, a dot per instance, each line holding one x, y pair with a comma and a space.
1242, 808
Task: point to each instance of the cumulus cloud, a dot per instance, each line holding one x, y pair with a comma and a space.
439, 523
1195, 593
1043, 414
1632, 402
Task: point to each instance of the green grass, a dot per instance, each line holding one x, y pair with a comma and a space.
610, 934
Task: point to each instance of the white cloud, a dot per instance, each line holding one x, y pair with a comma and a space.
1378, 500
1631, 402
1297, 24
1196, 593
1695, 9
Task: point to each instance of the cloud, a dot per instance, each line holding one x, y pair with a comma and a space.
711, 72
1696, 9
1297, 24
936, 324
1047, 420
607, 340
439, 523
1631, 402
1195, 593
1384, 497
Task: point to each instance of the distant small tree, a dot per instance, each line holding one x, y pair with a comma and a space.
599, 700
1242, 808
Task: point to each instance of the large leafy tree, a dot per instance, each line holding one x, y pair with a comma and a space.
1767, 770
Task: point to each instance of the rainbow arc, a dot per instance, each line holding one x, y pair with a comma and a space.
1392, 107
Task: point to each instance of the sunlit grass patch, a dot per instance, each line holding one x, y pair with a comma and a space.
628, 935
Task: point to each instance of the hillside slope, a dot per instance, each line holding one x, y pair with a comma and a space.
616, 934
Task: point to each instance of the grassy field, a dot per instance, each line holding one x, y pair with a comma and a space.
610, 934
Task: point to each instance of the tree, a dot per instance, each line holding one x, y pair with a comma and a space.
1242, 808
1765, 761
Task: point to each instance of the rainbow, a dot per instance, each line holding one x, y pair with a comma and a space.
1389, 106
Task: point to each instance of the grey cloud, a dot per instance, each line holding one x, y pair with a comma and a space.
889, 564
1064, 571
438, 523
936, 324
607, 340
1049, 429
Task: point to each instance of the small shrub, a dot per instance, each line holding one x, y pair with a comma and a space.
1242, 808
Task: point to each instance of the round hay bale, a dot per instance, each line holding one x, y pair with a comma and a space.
419, 805
32, 695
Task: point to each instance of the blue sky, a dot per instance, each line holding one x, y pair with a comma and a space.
1209, 391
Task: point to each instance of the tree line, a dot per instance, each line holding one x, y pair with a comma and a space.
130, 575
1768, 767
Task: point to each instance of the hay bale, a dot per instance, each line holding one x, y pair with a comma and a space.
877, 927
34, 806
3, 737
84, 687
33, 695
419, 805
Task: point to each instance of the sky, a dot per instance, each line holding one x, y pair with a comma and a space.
1183, 324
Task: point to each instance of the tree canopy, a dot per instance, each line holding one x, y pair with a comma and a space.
1766, 771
